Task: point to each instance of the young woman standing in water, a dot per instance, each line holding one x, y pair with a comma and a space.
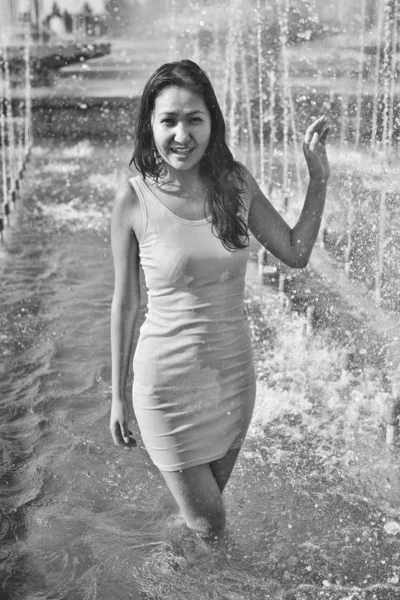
186, 219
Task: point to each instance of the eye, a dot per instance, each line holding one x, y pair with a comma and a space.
167, 120
196, 119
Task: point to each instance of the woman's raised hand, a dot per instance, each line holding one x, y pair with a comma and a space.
315, 151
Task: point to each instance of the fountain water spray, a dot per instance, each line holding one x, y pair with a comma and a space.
196, 50
172, 31
20, 129
393, 72
386, 73
360, 71
389, 26
15, 127
260, 91
246, 94
218, 70
233, 75
380, 9
230, 88
344, 112
228, 58
272, 124
28, 97
283, 15
294, 139
349, 227
4, 207
10, 143
5, 140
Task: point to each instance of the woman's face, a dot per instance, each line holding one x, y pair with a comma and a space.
181, 125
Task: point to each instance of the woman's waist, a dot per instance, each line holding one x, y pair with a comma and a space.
166, 358
197, 323
160, 337
192, 307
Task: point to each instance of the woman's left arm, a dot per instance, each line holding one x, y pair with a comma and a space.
293, 246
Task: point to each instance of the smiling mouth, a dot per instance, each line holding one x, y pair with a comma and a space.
182, 151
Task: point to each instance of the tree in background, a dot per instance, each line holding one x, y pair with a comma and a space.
87, 9
56, 11
68, 23
87, 14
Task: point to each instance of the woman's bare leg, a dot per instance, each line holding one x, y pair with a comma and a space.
197, 490
197, 494
223, 467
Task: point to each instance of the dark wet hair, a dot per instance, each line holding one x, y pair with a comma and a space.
225, 176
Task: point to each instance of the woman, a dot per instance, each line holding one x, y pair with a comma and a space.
186, 220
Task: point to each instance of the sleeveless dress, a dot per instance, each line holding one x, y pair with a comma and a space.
194, 381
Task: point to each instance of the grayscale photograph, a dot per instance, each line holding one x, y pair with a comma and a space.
199, 300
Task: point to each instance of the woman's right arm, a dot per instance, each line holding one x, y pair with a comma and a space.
125, 305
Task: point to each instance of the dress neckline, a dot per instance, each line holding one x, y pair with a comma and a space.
190, 221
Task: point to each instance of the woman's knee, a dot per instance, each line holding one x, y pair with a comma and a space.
198, 496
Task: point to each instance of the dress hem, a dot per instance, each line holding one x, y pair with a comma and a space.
196, 462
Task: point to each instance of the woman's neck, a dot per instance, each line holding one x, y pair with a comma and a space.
182, 182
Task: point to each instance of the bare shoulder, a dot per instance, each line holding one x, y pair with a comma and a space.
126, 208
125, 196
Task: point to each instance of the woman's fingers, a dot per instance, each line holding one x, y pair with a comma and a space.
122, 436
116, 434
132, 441
315, 128
314, 141
125, 432
314, 148
317, 137
119, 420
324, 135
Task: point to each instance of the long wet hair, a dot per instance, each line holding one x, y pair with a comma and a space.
224, 175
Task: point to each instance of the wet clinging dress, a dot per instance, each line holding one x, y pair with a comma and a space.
194, 381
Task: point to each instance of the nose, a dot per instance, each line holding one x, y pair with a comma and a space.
182, 133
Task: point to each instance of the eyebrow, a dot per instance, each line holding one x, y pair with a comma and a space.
172, 113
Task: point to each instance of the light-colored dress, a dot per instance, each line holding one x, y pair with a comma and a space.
194, 380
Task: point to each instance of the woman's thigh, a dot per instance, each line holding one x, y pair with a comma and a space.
223, 467
197, 493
